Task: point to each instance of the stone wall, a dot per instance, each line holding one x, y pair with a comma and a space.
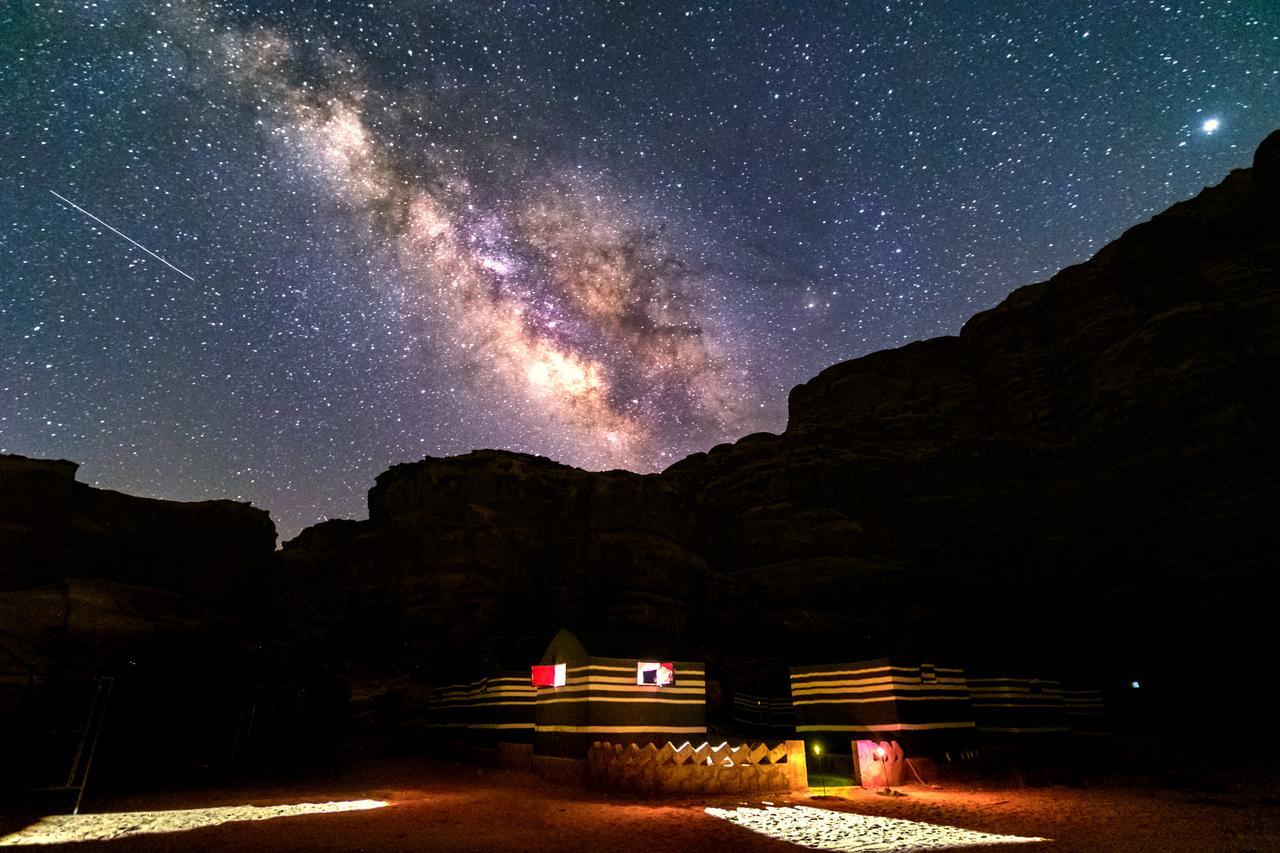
705, 769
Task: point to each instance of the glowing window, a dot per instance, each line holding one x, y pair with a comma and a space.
549, 676
656, 674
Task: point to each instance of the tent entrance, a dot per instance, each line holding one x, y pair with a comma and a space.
830, 768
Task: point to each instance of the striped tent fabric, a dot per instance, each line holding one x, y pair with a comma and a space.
1086, 711
909, 701
501, 709
1018, 705
601, 700
449, 708
767, 715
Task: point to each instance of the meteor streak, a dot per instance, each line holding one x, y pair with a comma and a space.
124, 235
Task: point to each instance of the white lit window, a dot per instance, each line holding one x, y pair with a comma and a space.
655, 674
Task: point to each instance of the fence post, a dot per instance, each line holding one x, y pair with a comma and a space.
798, 764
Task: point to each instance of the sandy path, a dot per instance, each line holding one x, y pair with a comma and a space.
436, 806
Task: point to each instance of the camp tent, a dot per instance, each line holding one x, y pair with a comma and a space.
911, 700
1017, 706
449, 709
763, 715
1086, 711
492, 709
889, 708
583, 698
502, 707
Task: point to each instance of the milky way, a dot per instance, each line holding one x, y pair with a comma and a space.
559, 302
611, 233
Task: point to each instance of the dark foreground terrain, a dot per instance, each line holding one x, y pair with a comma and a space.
436, 806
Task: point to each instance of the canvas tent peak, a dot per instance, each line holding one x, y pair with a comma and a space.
582, 698
563, 648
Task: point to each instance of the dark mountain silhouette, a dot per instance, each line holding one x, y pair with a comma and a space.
1084, 480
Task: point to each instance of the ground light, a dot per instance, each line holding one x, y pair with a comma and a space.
817, 753
823, 829
882, 756
63, 829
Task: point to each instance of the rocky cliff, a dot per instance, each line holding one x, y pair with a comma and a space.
53, 527
1085, 477
91, 579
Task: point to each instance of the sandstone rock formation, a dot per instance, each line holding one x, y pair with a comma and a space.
1085, 477
53, 527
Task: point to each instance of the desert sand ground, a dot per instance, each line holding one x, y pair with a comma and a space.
442, 806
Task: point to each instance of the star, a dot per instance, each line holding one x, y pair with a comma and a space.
540, 227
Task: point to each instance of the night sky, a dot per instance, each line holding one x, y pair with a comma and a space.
612, 233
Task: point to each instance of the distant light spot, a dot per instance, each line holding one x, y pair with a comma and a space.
1210, 125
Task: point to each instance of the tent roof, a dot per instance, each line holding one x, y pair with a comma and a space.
564, 647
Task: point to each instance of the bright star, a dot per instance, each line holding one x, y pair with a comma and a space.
1210, 125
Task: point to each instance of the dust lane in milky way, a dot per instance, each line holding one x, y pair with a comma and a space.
564, 304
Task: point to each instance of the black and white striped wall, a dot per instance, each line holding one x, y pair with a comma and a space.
1018, 705
502, 709
763, 715
893, 699
600, 700
496, 708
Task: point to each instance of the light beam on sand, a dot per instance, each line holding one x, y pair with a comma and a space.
64, 829
122, 234
822, 829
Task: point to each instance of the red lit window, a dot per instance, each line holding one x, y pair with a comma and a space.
549, 676
655, 674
